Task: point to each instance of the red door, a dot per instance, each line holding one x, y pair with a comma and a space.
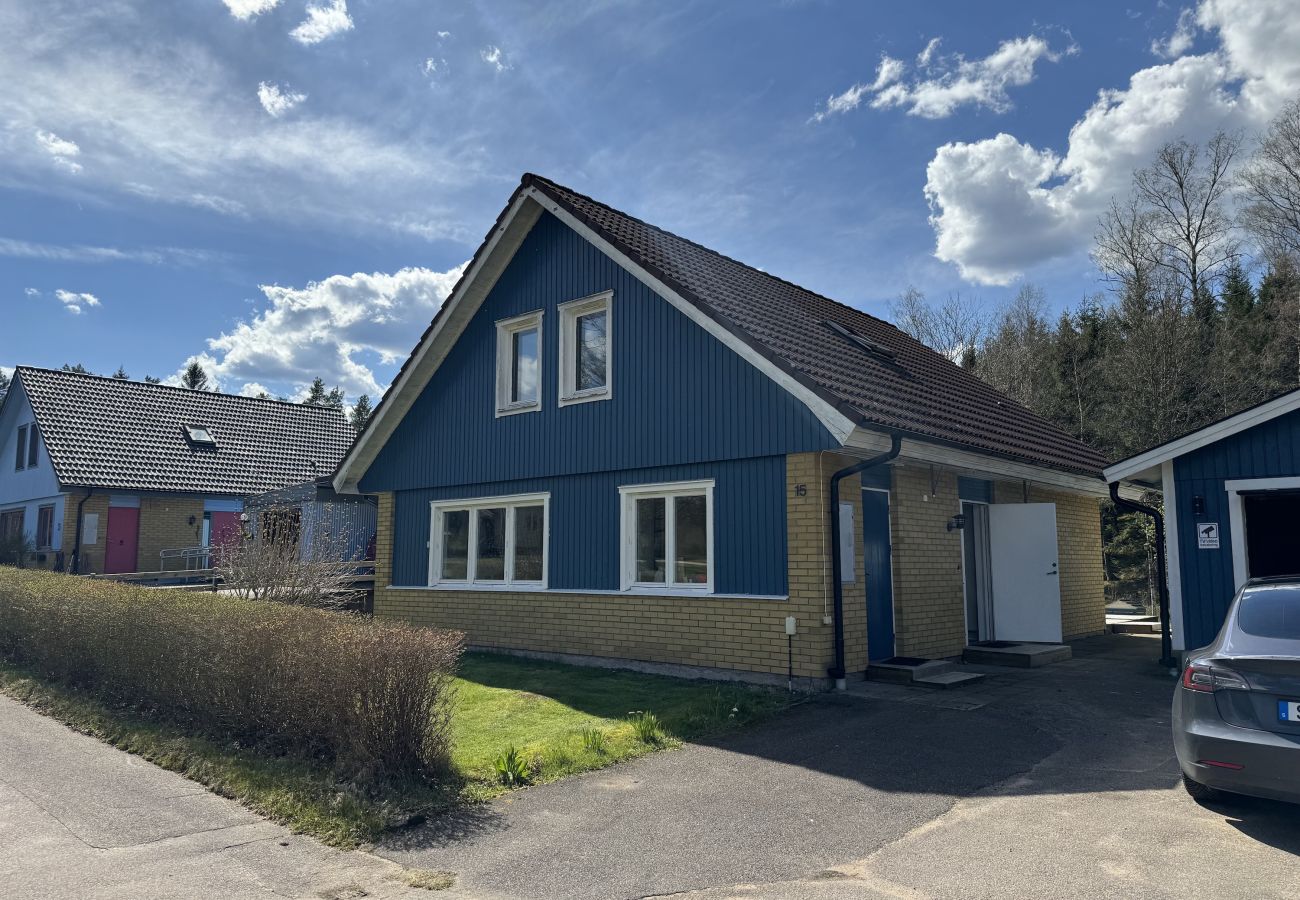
123, 540
224, 532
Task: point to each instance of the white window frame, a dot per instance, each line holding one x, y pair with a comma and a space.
570, 312
628, 495
506, 330
511, 502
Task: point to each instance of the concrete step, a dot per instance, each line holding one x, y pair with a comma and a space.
947, 680
904, 674
1135, 627
1023, 656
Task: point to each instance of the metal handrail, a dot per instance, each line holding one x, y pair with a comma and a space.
193, 557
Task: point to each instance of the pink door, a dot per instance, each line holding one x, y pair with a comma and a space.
224, 533
122, 540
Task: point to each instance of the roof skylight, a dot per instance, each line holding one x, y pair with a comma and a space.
199, 435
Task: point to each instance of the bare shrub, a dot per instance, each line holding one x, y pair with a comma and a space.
281, 557
372, 697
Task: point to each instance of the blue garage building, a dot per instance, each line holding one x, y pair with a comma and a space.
1231, 507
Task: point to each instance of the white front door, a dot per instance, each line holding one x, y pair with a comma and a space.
1025, 572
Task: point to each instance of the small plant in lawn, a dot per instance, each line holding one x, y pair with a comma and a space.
648, 728
593, 739
512, 768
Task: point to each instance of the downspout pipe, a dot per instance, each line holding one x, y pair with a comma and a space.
76, 541
1162, 579
837, 585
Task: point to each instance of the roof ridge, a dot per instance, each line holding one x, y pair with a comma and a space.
531, 177
174, 387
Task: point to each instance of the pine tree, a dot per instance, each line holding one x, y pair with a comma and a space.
315, 393
78, 369
334, 398
195, 378
4, 384
149, 379
121, 375
360, 414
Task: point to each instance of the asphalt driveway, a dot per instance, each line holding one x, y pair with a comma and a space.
1057, 782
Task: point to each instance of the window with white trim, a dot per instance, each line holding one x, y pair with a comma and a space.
667, 537
585, 349
490, 542
519, 364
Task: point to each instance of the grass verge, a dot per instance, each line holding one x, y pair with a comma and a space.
540, 708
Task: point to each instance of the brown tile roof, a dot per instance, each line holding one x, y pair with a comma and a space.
906, 387
128, 435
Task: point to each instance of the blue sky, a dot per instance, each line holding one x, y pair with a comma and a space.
285, 189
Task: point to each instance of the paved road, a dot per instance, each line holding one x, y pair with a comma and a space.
79, 818
1058, 782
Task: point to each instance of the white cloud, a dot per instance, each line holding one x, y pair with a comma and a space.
336, 328
63, 152
925, 56
169, 121
949, 82
74, 302
248, 9
493, 56
434, 67
87, 254
31, 292
277, 101
443, 35
1180, 40
887, 72
1000, 206
323, 22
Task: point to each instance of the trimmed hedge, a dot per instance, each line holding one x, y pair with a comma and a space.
372, 697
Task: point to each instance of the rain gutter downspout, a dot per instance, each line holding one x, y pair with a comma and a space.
1162, 580
76, 541
837, 585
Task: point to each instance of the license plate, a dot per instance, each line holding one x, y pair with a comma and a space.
1288, 711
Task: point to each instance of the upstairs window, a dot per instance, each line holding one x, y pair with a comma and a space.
519, 364
20, 460
667, 537
493, 542
33, 445
585, 349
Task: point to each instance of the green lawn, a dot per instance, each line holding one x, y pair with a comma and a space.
540, 708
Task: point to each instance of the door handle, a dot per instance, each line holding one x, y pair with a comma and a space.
1053, 572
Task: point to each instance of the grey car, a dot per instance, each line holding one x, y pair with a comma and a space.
1237, 710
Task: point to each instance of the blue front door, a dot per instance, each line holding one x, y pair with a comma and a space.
880, 582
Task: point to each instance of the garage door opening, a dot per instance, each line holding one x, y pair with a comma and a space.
1272, 533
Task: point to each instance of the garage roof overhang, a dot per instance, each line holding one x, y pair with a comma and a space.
1145, 466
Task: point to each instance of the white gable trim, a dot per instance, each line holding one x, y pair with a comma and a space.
1208, 435
835, 421
478, 282
496, 254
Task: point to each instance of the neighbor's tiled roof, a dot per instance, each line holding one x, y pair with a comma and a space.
919, 391
128, 435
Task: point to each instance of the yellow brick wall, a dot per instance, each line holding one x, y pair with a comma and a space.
929, 603
1078, 541
92, 555
164, 525
737, 634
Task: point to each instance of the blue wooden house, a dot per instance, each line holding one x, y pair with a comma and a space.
1231, 508
615, 444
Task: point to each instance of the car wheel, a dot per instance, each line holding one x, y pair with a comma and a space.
1201, 793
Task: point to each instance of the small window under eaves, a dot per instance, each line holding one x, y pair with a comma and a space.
199, 436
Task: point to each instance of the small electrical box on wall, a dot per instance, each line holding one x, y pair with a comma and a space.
789, 625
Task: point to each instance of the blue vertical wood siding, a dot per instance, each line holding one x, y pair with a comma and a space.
749, 526
1269, 450
679, 395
